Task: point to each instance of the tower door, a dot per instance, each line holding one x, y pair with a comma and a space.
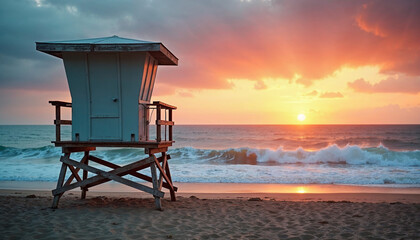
105, 97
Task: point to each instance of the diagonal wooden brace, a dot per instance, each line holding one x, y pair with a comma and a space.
60, 182
155, 185
164, 175
113, 175
135, 174
164, 162
70, 179
168, 173
74, 172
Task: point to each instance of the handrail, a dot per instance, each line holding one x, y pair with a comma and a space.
160, 122
163, 105
58, 122
60, 103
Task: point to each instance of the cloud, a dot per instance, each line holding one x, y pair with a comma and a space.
331, 95
260, 85
219, 40
311, 94
396, 26
403, 84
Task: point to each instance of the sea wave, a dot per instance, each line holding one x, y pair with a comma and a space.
333, 154
50, 152
333, 165
29, 153
350, 155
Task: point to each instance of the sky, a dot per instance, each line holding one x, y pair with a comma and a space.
240, 62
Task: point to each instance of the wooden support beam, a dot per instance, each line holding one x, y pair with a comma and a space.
60, 182
100, 161
155, 150
77, 149
163, 167
113, 175
164, 174
62, 122
170, 127
57, 126
135, 174
60, 103
75, 174
85, 175
168, 173
155, 184
163, 122
163, 105
70, 179
161, 177
158, 127
139, 144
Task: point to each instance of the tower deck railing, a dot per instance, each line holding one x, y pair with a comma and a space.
58, 121
165, 119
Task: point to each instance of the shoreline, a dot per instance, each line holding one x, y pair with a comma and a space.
278, 192
235, 187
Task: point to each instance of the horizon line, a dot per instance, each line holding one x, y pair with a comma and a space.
257, 124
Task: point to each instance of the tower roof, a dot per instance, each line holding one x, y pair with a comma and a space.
109, 44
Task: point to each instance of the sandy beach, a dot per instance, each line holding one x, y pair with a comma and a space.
27, 214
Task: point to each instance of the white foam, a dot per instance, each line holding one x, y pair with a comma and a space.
347, 165
353, 155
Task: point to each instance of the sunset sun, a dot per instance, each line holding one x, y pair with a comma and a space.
301, 117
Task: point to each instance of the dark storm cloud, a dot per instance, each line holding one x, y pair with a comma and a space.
22, 23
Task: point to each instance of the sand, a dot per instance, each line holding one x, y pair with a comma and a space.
27, 215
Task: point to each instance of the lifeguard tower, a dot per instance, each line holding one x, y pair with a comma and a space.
111, 82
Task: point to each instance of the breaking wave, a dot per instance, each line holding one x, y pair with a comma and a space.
351, 155
347, 165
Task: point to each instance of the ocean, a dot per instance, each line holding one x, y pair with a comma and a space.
384, 155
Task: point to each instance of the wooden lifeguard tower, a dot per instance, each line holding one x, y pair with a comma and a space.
111, 82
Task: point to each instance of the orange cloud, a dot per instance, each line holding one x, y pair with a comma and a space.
310, 94
398, 25
284, 38
331, 95
389, 85
260, 85
221, 40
